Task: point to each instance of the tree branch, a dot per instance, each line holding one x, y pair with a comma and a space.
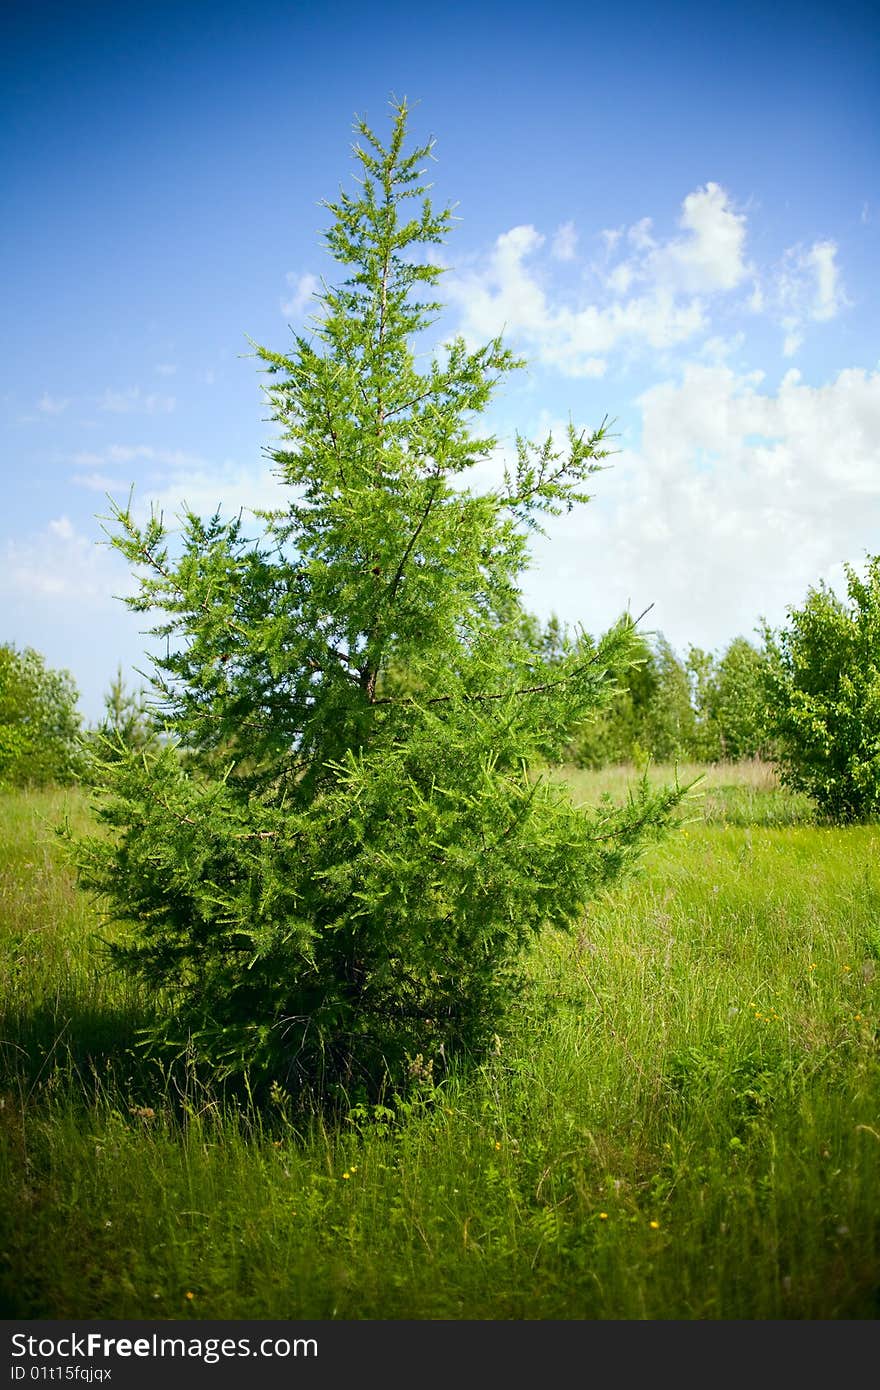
395, 583
485, 696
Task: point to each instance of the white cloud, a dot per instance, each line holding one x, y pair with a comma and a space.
304, 287
175, 480
655, 296
639, 234
735, 502
829, 297
565, 242
709, 257
52, 405
134, 400
717, 349
621, 277
165, 368
163, 461
805, 287
644, 291
63, 565
509, 296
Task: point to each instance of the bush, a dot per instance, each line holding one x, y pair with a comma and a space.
39, 722
823, 691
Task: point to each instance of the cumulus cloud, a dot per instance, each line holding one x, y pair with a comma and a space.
229, 487
719, 348
99, 482
710, 255
175, 480
507, 295
736, 499
828, 296
304, 287
808, 282
647, 292
117, 456
642, 291
708, 258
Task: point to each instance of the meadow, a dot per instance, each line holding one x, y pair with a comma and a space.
682, 1122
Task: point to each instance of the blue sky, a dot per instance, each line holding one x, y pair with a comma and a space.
673, 211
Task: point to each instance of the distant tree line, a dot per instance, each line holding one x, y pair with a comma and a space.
807, 698
705, 707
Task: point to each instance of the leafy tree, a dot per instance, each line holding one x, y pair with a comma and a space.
702, 673
614, 732
39, 721
729, 696
649, 716
668, 721
342, 872
823, 690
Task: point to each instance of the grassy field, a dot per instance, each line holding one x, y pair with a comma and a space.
682, 1123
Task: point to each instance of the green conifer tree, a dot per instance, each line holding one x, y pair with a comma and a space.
342, 871
127, 723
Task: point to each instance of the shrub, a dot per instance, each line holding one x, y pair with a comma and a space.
39, 722
823, 690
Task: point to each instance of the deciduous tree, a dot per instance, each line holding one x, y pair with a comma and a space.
823, 686
39, 720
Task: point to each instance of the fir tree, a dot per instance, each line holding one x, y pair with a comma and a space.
335, 860
127, 723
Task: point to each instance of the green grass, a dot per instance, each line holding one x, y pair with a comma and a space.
744, 794
682, 1122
